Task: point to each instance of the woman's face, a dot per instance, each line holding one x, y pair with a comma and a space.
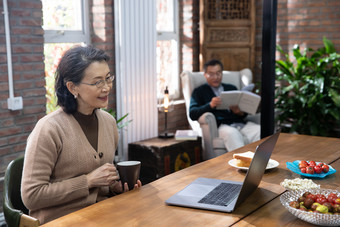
90, 97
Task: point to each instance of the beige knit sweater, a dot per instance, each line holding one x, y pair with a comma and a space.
57, 158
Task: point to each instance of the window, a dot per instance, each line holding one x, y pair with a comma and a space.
167, 47
65, 23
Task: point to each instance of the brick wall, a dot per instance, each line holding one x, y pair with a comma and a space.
189, 35
307, 22
102, 34
28, 74
176, 119
300, 22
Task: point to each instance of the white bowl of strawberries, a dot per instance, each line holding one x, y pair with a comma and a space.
316, 206
310, 168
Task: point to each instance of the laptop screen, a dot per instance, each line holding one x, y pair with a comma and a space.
257, 167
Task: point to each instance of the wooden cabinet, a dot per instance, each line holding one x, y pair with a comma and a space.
227, 33
160, 157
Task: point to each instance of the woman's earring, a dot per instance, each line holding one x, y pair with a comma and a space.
75, 96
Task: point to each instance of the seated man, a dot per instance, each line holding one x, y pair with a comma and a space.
232, 127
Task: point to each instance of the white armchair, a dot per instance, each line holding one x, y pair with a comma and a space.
206, 126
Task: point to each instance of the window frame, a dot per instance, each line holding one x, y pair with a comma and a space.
72, 36
168, 36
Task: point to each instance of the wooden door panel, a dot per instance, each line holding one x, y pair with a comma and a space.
233, 59
227, 33
224, 36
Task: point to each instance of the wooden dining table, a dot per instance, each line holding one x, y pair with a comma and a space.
146, 206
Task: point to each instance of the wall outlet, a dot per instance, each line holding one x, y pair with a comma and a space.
15, 103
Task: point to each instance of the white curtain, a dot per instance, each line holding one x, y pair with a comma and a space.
135, 46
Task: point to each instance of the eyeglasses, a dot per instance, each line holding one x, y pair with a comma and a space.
217, 74
101, 83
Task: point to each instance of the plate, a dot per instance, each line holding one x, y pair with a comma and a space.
271, 164
294, 166
311, 217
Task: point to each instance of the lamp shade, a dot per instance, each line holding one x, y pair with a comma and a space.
166, 103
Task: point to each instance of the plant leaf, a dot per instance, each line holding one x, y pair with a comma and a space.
120, 125
335, 114
335, 96
328, 45
296, 51
122, 118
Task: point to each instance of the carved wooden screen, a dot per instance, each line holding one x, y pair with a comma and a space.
227, 33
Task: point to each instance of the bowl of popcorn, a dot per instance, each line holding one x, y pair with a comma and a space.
299, 184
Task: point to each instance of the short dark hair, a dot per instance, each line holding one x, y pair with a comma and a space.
71, 68
212, 62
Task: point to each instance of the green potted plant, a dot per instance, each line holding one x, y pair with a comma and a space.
120, 123
308, 91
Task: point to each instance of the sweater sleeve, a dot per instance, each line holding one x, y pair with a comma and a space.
38, 190
199, 104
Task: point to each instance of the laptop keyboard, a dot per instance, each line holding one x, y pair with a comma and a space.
222, 195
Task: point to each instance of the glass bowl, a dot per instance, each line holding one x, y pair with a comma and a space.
311, 217
294, 167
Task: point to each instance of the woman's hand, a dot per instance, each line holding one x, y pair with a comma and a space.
138, 185
103, 176
118, 188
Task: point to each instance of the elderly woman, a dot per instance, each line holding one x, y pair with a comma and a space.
69, 155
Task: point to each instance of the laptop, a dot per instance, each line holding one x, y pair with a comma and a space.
225, 195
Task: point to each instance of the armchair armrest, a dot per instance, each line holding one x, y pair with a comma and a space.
213, 145
28, 221
256, 118
208, 120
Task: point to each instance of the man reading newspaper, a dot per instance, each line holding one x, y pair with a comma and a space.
232, 127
